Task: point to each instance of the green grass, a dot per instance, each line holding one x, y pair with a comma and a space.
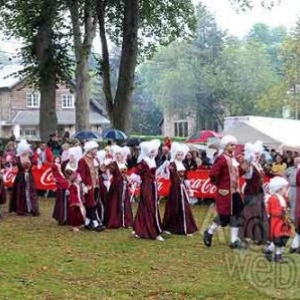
40, 260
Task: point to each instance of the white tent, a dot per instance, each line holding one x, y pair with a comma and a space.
273, 132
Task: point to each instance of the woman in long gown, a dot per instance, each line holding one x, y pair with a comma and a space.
24, 198
178, 217
2, 188
60, 212
119, 211
255, 221
147, 223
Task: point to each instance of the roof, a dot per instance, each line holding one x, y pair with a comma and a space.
65, 117
272, 131
9, 76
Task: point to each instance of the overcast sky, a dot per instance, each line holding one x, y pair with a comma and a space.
287, 14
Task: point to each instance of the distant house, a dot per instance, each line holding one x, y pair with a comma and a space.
20, 103
178, 124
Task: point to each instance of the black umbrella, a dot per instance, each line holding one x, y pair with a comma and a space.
134, 142
87, 135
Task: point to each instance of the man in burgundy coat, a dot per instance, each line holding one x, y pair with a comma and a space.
229, 205
88, 171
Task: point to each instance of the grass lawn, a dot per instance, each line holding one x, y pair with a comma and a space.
40, 260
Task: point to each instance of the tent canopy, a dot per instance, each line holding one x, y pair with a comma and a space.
273, 132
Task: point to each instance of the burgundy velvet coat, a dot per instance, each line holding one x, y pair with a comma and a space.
85, 172
220, 177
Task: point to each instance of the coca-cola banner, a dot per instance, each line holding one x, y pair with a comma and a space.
199, 181
42, 176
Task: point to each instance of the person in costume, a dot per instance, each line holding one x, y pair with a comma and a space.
295, 205
24, 198
280, 224
178, 217
224, 175
77, 212
2, 188
60, 211
254, 225
147, 223
88, 170
119, 211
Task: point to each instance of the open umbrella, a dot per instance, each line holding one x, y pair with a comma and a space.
87, 135
202, 136
114, 134
134, 142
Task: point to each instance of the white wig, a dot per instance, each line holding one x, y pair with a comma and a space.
23, 147
176, 148
276, 183
227, 139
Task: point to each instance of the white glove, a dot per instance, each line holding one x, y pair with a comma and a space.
85, 190
67, 192
166, 164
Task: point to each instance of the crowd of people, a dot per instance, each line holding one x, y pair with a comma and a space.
94, 189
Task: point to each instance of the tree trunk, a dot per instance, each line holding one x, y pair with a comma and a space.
82, 52
119, 108
123, 98
47, 70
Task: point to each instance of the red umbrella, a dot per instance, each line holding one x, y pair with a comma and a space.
202, 136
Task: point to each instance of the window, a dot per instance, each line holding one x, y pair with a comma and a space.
67, 101
33, 100
181, 128
28, 132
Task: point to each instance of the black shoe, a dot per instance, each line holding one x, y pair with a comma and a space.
294, 250
238, 245
89, 227
269, 255
279, 259
207, 238
99, 228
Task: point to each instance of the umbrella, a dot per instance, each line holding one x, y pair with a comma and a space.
87, 135
134, 142
114, 134
202, 136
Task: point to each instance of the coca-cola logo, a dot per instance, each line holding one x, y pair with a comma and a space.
9, 175
203, 186
47, 178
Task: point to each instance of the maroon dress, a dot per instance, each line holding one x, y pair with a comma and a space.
118, 212
76, 208
178, 217
2, 188
24, 194
297, 205
60, 211
254, 221
147, 223
103, 195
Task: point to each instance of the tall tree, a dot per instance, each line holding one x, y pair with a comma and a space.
123, 22
82, 15
39, 24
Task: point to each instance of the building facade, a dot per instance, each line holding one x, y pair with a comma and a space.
20, 107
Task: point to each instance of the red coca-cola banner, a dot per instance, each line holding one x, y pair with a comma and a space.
42, 176
199, 182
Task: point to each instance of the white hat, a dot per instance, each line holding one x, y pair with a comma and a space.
23, 147
249, 152
101, 155
227, 139
276, 183
75, 153
147, 148
258, 147
90, 145
176, 147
